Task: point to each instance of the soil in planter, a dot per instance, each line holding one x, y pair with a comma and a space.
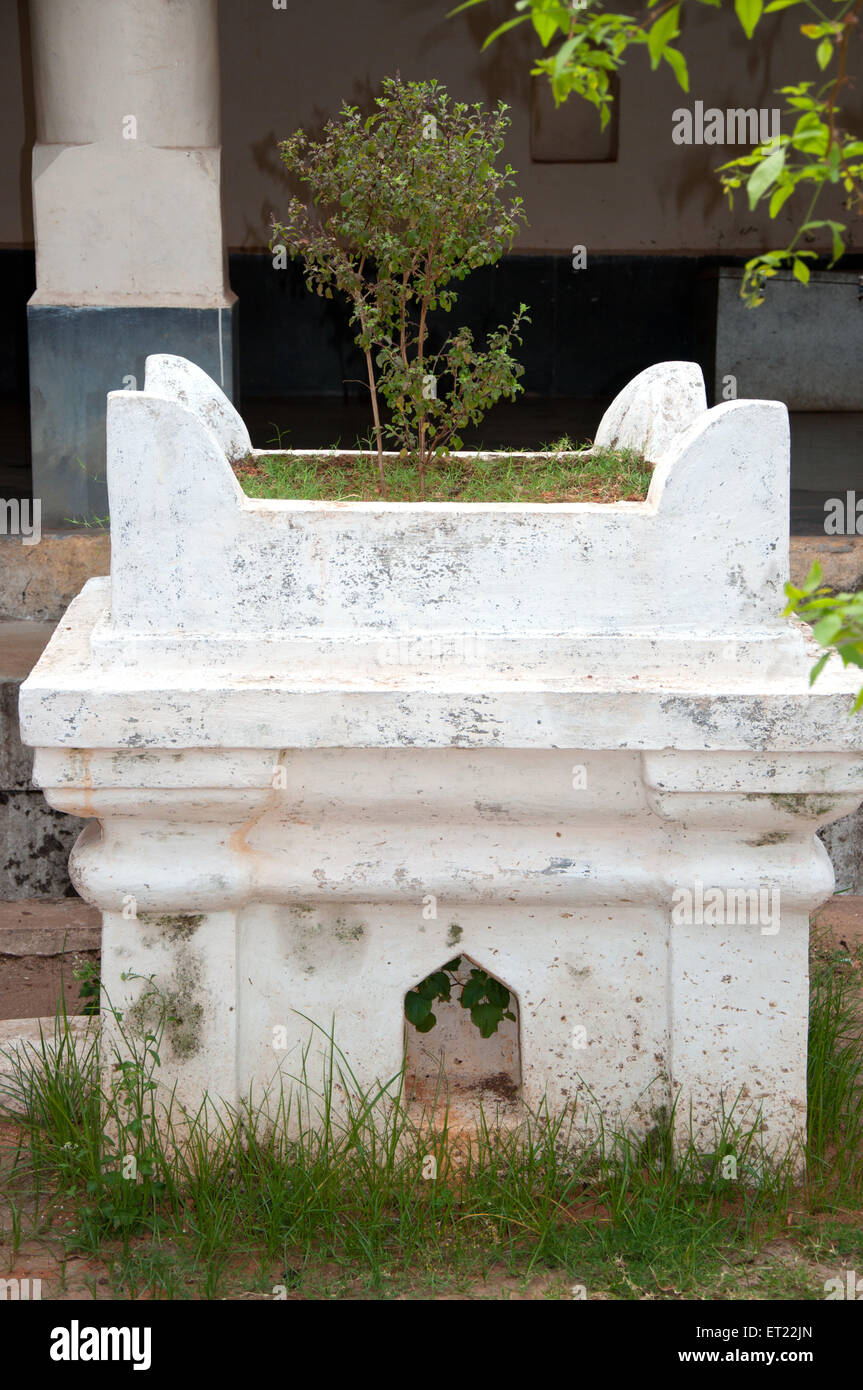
557, 474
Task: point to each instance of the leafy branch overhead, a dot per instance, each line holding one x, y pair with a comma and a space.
590, 45
401, 206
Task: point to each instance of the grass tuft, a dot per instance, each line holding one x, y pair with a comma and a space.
559, 473
349, 1204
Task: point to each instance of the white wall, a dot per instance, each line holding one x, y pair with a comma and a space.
294, 67
286, 68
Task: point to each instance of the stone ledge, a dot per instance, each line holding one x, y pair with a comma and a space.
32, 928
38, 582
40, 945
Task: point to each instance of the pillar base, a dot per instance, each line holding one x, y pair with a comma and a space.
77, 355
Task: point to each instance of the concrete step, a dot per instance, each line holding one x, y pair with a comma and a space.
41, 943
38, 582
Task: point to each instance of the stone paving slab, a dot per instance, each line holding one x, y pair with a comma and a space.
33, 928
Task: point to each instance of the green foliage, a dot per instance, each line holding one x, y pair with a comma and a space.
815, 154
88, 976
837, 622
835, 1057
590, 44
486, 998
401, 205
563, 474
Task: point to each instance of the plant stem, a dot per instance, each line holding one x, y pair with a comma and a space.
377, 419
373, 390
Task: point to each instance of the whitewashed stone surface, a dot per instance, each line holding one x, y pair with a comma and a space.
654, 409
323, 741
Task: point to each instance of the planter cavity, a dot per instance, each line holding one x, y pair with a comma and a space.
596, 750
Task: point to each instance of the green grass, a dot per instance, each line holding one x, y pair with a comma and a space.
556, 473
226, 1205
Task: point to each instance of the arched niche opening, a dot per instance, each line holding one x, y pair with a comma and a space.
472, 1051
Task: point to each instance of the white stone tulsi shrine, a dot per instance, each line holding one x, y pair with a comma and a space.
295, 723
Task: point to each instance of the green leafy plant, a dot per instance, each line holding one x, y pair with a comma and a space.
590, 45
837, 622
87, 974
403, 204
486, 998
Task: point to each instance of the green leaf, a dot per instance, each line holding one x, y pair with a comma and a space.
780, 197
823, 53
472, 992
818, 668
545, 25
677, 62
781, 5
436, 984
814, 578
801, 271
826, 629
850, 653
749, 13
497, 993
836, 229
486, 1017
764, 175
417, 1009
661, 33
564, 54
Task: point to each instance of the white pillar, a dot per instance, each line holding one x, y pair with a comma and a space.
126, 179
130, 255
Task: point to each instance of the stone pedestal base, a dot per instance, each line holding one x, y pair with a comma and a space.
332, 745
